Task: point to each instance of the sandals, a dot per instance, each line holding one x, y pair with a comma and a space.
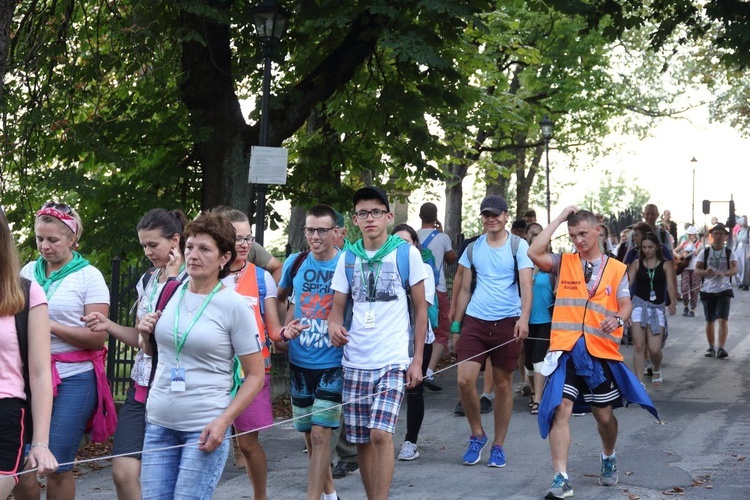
657, 379
531, 400
534, 409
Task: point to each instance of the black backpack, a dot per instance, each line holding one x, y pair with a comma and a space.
22, 330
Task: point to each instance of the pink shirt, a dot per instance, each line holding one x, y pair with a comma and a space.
11, 368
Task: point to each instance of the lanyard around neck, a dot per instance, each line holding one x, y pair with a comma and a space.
179, 342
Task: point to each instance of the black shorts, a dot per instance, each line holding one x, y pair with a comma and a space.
131, 427
601, 396
11, 436
534, 348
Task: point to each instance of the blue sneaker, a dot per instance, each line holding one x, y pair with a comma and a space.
608, 475
560, 488
497, 457
474, 453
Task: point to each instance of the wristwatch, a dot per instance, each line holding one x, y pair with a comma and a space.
620, 321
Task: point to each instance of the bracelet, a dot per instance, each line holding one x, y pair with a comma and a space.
41, 445
281, 334
456, 327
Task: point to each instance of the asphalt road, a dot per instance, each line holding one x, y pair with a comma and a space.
697, 451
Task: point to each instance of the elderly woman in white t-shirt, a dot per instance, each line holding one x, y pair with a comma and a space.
190, 405
73, 288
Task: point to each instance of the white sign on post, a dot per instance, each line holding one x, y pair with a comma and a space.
268, 165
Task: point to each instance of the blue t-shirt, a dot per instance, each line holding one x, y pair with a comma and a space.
542, 300
313, 302
496, 295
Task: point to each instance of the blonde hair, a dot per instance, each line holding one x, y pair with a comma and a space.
55, 220
12, 296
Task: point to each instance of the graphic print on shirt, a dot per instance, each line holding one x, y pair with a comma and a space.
315, 301
379, 284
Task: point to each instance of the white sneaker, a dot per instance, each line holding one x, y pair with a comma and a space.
408, 451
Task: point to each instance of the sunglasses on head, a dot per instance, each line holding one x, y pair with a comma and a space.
62, 207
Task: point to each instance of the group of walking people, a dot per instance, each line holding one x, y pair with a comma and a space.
361, 328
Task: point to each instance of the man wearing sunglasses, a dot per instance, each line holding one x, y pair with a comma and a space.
315, 363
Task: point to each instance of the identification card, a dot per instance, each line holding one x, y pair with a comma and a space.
370, 319
652, 296
178, 380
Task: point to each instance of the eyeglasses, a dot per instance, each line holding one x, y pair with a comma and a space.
62, 207
377, 213
322, 231
247, 240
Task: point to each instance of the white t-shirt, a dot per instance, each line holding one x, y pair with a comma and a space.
439, 245
387, 342
67, 299
225, 329
429, 293
717, 259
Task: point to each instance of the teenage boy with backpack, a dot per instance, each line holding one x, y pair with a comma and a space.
314, 362
716, 265
377, 362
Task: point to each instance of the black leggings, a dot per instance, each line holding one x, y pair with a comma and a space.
415, 401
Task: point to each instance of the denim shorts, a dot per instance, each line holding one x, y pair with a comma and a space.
180, 473
372, 400
71, 411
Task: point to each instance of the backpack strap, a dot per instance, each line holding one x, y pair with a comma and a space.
147, 276
260, 277
429, 238
470, 255
298, 261
515, 241
402, 264
170, 287
22, 331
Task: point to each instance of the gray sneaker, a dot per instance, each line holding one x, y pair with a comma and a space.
560, 488
608, 475
485, 404
721, 353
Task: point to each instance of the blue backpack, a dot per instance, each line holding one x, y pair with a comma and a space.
431, 261
402, 265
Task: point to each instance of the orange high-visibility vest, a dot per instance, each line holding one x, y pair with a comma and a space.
248, 287
578, 314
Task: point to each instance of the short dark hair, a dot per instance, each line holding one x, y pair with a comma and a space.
582, 216
530, 213
220, 229
428, 212
323, 210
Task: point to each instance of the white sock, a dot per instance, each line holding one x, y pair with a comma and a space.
429, 373
607, 456
564, 474
330, 496
487, 395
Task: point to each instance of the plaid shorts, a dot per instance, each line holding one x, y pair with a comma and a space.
372, 400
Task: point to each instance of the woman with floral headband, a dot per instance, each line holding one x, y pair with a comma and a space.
73, 288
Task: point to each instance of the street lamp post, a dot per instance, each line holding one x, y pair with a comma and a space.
547, 128
693, 161
270, 22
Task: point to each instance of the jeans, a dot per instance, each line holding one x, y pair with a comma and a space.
180, 473
71, 411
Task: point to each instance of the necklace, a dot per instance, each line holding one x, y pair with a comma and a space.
189, 310
239, 272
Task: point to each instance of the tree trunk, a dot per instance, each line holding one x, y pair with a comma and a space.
7, 8
296, 241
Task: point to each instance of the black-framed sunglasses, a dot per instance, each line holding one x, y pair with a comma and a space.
62, 207
322, 231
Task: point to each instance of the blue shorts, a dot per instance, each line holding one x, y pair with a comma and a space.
316, 397
372, 400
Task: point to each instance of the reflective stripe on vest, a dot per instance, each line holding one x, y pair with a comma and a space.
248, 286
576, 314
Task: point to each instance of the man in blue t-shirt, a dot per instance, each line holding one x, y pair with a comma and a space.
315, 364
492, 322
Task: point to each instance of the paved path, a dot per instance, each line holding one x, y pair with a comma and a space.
698, 451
